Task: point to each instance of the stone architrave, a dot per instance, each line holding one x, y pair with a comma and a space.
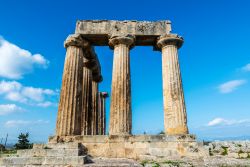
175, 120
145, 32
120, 110
70, 105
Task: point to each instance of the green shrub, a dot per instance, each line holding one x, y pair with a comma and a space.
161, 133
23, 142
174, 163
224, 152
210, 152
240, 152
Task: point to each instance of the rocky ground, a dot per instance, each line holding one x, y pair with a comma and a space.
217, 154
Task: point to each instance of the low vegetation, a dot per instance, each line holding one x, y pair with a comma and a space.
168, 162
206, 143
161, 133
23, 143
225, 151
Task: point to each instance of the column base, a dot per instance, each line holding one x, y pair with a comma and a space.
179, 130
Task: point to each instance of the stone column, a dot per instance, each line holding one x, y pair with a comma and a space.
102, 113
94, 108
70, 106
86, 100
175, 119
120, 109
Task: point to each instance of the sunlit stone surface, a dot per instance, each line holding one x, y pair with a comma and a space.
120, 110
175, 118
80, 138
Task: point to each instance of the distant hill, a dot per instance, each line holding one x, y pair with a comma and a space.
224, 138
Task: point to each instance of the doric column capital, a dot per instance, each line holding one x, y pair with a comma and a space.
128, 40
104, 94
97, 78
170, 39
76, 40
94, 66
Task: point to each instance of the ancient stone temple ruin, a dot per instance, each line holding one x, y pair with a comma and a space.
81, 120
81, 112
79, 105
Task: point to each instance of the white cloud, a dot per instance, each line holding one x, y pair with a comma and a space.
16, 62
230, 86
18, 123
36, 94
225, 122
16, 96
15, 91
246, 67
6, 109
46, 104
216, 121
6, 87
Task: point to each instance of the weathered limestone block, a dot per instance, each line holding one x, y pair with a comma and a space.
47, 152
232, 149
175, 119
39, 161
120, 110
146, 32
113, 162
136, 147
69, 110
49, 155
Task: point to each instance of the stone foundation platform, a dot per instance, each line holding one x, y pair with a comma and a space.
130, 151
141, 147
48, 155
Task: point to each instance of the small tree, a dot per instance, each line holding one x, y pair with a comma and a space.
23, 142
2, 148
161, 133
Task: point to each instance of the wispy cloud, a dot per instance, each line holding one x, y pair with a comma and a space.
246, 68
230, 86
6, 109
226, 122
216, 121
15, 91
18, 123
16, 62
46, 104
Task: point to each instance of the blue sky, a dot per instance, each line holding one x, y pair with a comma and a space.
215, 63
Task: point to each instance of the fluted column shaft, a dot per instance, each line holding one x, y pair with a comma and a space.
70, 106
120, 111
175, 119
102, 113
94, 108
86, 115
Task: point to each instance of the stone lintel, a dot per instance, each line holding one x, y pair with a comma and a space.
145, 32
